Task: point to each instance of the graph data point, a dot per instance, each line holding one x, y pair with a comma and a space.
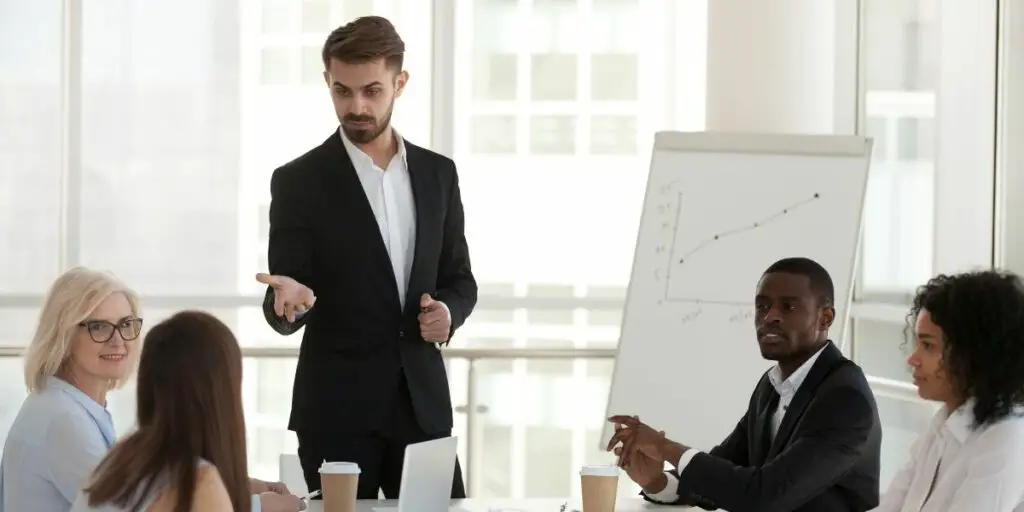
716, 237
816, 195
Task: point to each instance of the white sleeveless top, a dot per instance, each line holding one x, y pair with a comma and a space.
82, 501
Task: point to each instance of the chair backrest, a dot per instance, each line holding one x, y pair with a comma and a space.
291, 474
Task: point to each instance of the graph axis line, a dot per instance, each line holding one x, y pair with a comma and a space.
672, 248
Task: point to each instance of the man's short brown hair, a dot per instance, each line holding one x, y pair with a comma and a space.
365, 39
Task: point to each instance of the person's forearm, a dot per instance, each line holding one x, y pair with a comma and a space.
657, 485
672, 451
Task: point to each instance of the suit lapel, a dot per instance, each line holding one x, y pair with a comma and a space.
419, 179
769, 400
355, 205
830, 356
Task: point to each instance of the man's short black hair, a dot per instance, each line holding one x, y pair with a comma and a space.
821, 282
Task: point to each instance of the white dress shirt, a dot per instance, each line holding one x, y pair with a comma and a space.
786, 388
955, 468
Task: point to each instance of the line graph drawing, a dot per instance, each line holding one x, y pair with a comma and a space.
674, 259
741, 229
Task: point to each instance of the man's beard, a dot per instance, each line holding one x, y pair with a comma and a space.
367, 135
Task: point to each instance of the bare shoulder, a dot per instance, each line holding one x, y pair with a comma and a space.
210, 494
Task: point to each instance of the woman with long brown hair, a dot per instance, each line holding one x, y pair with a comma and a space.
189, 450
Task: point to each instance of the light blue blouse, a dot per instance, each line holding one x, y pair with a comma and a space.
56, 441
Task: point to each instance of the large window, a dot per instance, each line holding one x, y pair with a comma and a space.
930, 193
556, 105
901, 58
141, 140
31, 136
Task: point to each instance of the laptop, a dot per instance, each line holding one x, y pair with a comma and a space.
427, 477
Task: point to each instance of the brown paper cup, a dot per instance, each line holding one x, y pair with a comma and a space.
600, 485
339, 481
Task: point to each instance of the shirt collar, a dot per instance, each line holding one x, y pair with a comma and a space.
795, 379
98, 412
357, 154
960, 423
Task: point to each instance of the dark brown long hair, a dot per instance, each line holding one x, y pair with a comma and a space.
189, 408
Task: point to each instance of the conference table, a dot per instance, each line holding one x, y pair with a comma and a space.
514, 505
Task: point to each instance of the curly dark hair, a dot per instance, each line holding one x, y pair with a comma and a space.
981, 315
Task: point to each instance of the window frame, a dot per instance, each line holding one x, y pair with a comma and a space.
1010, 159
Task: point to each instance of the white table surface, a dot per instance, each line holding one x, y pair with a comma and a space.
512, 505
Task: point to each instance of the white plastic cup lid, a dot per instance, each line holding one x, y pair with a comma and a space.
339, 468
600, 470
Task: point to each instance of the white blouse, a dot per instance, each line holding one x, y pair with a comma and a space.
955, 468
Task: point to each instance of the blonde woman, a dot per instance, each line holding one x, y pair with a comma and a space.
84, 347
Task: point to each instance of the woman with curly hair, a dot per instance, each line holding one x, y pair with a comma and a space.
969, 356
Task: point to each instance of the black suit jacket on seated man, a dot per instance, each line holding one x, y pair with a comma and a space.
362, 353
824, 458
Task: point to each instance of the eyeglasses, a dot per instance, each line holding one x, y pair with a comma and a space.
102, 331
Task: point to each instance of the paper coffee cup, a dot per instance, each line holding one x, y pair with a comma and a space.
339, 482
599, 485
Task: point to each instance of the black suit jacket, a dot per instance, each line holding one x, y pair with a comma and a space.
359, 340
825, 457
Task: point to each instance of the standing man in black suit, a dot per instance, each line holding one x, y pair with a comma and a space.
810, 440
369, 227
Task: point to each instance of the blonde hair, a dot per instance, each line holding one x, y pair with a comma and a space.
70, 301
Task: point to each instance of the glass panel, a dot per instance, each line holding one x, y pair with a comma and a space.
878, 130
17, 326
916, 139
506, 164
613, 135
597, 382
495, 76
312, 65
316, 17
267, 394
542, 422
357, 8
614, 77
30, 144
495, 385
880, 348
494, 134
276, 65
553, 135
278, 16
159, 181
554, 77
901, 54
903, 420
